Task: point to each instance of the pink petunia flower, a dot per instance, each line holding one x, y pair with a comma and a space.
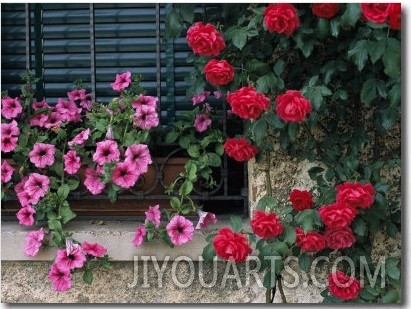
34, 240
92, 181
153, 214
60, 277
19, 187
6, 172
202, 122
10, 108
75, 259
106, 151
146, 117
139, 154
10, 129
139, 236
26, 216
145, 100
198, 98
72, 162
80, 138
125, 174
25, 199
68, 110
53, 120
93, 249
36, 105
110, 133
205, 219
39, 120
8, 143
81, 98
42, 155
180, 230
122, 81
37, 185
217, 94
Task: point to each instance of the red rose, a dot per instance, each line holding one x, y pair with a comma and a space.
266, 225
375, 12
342, 286
301, 200
231, 246
292, 106
205, 40
239, 149
310, 241
337, 215
247, 103
339, 238
394, 16
325, 10
356, 194
219, 73
281, 18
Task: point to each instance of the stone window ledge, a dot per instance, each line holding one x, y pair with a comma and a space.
116, 236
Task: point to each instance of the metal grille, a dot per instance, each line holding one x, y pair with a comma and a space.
94, 41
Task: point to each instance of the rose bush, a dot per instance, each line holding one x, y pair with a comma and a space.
321, 82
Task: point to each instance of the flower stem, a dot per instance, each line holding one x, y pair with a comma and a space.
280, 288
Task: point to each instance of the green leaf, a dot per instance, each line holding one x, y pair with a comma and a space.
377, 49
392, 296
392, 58
352, 14
63, 191
259, 129
88, 276
270, 280
304, 261
174, 24
54, 224
359, 226
186, 188
389, 117
236, 223
266, 202
266, 83
191, 172
258, 67
194, 151
369, 90
213, 159
314, 95
112, 194
279, 67
175, 202
392, 269
171, 137
359, 54
73, 184
335, 25
273, 120
66, 214
323, 28
208, 253
292, 130
219, 149
239, 38
289, 234
187, 12
184, 142
394, 95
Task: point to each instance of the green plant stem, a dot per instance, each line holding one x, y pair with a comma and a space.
280, 288
268, 296
267, 175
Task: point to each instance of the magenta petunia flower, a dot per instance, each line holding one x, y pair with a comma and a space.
26, 215
198, 98
19, 187
217, 94
75, 259
37, 185
202, 122
36, 105
8, 143
60, 277
10, 108
80, 138
6, 172
153, 214
81, 98
34, 240
205, 219
146, 117
145, 100
72, 162
139, 236
39, 120
42, 155
25, 199
10, 129
93, 249
68, 110
139, 154
92, 181
106, 151
53, 120
125, 174
180, 230
122, 81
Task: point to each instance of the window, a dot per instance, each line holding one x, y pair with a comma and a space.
92, 42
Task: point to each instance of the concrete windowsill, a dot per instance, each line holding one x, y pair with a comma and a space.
116, 236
